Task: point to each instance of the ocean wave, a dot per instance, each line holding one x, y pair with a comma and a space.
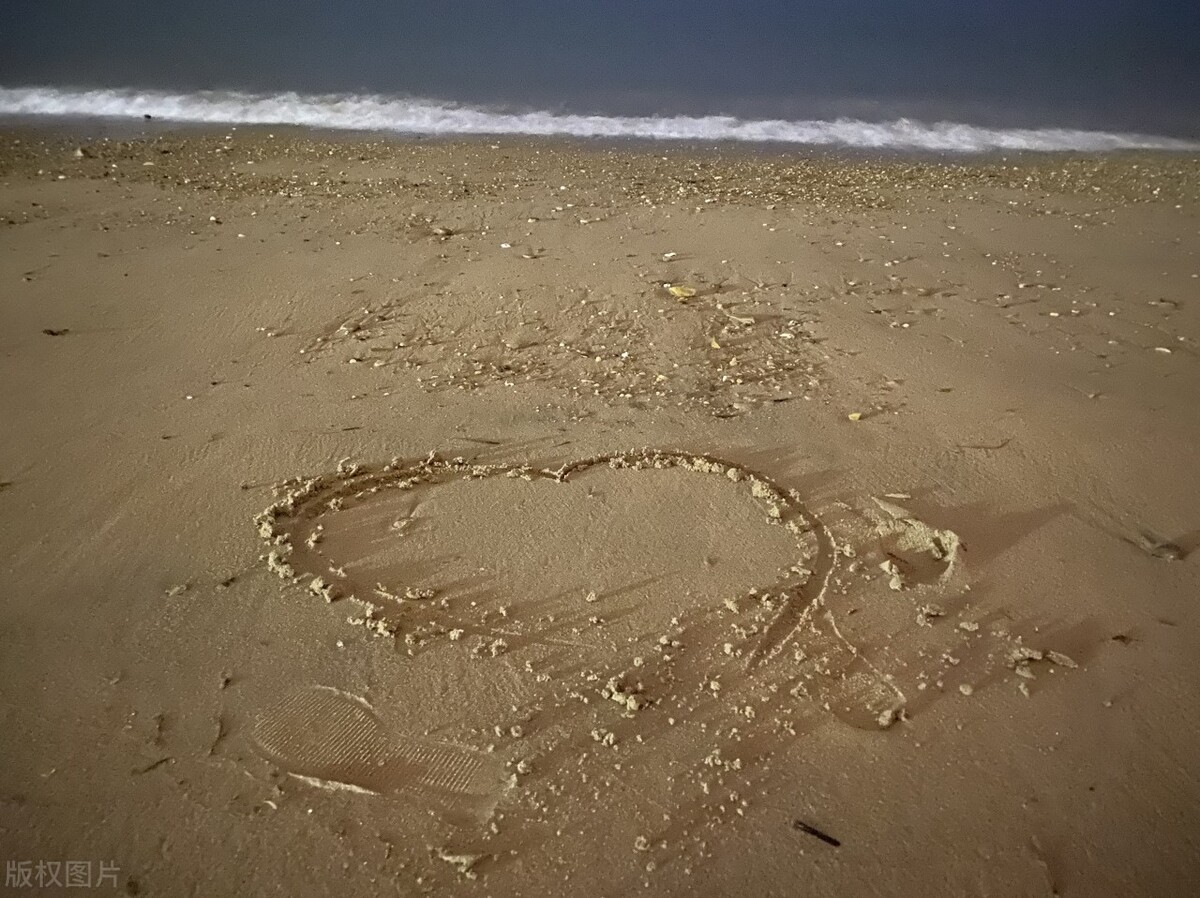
419, 116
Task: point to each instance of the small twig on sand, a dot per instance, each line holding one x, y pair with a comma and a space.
813, 831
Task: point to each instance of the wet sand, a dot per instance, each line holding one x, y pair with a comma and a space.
527, 517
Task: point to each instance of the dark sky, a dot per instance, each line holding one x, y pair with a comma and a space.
1089, 63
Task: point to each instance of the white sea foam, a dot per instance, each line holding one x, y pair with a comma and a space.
417, 116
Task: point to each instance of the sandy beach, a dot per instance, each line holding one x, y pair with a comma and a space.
516, 517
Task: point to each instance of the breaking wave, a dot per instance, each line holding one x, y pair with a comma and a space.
417, 116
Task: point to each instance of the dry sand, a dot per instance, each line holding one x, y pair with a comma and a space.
714, 522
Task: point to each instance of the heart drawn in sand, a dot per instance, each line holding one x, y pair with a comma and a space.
653, 533
650, 620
